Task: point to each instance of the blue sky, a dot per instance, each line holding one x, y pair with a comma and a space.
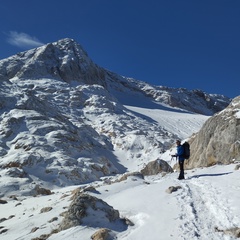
193, 44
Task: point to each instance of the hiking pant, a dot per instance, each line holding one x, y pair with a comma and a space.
181, 165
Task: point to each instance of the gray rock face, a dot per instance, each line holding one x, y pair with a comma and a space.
219, 139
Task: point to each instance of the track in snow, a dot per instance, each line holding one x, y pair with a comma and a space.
202, 210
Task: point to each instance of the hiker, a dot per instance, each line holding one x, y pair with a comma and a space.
180, 155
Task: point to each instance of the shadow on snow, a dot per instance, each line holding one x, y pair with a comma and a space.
210, 175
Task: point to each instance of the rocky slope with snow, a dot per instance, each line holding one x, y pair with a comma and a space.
218, 141
66, 61
65, 120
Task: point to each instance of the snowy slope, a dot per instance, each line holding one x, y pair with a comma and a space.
206, 206
66, 123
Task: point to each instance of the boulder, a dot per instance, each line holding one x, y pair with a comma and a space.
155, 167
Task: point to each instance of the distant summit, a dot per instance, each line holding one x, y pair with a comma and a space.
64, 60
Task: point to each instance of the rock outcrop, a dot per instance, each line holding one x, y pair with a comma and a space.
92, 212
218, 142
155, 167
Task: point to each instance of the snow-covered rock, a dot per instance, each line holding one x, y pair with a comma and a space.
91, 211
64, 60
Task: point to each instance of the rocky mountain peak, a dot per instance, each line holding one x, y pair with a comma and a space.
64, 60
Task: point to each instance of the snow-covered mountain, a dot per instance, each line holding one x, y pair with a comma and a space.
66, 61
81, 136
65, 120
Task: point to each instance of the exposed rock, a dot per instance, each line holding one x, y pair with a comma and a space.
14, 197
34, 229
53, 219
173, 189
40, 191
101, 234
3, 231
2, 219
129, 222
194, 101
237, 167
42, 237
3, 201
89, 189
13, 165
155, 167
235, 232
133, 174
92, 212
16, 173
218, 139
46, 209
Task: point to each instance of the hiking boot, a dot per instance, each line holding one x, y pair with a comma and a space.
181, 178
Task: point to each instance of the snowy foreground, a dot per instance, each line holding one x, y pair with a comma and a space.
205, 205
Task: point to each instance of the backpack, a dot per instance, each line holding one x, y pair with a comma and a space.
186, 148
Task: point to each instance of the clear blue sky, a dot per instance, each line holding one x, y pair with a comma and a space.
193, 44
